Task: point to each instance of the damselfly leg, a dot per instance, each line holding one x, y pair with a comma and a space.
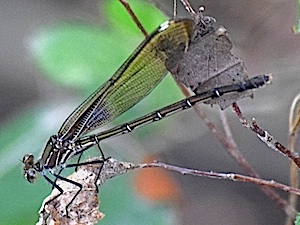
76, 184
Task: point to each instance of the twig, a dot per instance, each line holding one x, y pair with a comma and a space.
268, 139
134, 17
84, 209
223, 176
235, 153
293, 131
188, 7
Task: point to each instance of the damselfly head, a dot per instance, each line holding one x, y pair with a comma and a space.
30, 172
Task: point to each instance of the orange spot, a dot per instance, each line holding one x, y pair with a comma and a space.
156, 184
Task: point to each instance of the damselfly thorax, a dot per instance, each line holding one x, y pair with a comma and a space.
55, 155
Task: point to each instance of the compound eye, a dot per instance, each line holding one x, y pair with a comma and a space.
28, 159
31, 175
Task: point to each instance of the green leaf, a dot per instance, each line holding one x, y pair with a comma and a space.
297, 221
149, 16
121, 205
79, 55
20, 200
296, 28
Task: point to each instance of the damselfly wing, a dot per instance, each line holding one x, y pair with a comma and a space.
135, 79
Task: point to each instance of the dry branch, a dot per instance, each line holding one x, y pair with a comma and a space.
85, 208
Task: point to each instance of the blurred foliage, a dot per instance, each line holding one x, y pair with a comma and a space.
79, 56
121, 205
83, 56
296, 28
297, 221
122, 22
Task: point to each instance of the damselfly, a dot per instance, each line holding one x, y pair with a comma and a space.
133, 81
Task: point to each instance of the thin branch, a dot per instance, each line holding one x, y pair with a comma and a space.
85, 207
268, 139
188, 7
293, 131
235, 153
294, 121
134, 17
223, 176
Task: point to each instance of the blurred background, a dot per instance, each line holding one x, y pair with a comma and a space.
55, 53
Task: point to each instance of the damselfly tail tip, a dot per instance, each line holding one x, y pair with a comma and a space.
261, 80
268, 78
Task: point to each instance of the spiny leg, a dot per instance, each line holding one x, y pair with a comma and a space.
69, 181
78, 161
61, 191
104, 159
90, 163
56, 178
